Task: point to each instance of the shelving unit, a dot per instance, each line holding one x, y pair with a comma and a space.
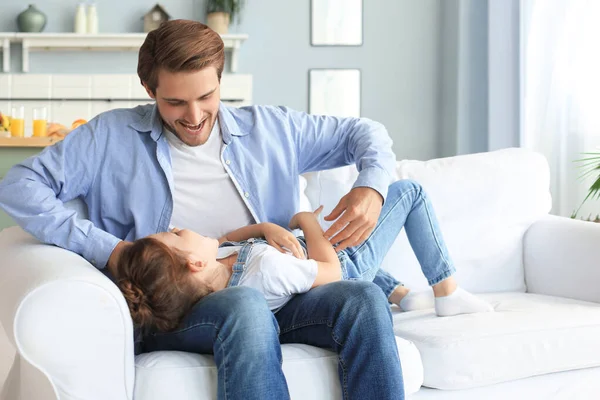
5, 40
31, 42
28, 141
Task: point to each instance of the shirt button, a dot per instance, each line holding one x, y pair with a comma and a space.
227, 162
246, 194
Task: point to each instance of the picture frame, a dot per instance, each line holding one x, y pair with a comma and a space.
336, 22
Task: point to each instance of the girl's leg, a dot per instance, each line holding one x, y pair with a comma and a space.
398, 294
386, 282
407, 206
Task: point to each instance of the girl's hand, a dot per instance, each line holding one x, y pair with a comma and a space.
295, 221
279, 238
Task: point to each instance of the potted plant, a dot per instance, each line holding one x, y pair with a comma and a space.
591, 165
220, 13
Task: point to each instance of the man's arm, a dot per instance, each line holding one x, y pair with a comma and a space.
113, 260
329, 142
33, 194
325, 142
319, 248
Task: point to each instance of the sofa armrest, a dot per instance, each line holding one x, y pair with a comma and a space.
66, 319
561, 258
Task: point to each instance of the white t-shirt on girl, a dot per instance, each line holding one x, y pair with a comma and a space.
277, 275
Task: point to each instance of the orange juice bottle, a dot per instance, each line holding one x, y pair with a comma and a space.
17, 124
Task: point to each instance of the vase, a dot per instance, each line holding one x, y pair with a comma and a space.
218, 22
31, 20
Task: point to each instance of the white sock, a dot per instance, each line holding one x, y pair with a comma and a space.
460, 302
416, 301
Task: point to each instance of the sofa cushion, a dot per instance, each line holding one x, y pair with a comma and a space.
484, 202
527, 335
311, 373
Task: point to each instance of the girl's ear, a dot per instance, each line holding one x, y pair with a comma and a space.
196, 266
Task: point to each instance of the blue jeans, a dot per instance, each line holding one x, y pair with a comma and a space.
235, 324
350, 317
406, 205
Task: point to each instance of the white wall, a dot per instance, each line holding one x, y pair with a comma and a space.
399, 60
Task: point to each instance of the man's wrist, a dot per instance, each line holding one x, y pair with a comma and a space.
377, 178
115, 256
370, 190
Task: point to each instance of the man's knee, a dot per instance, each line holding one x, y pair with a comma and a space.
246, 311
357, 295
368, 294
360, 305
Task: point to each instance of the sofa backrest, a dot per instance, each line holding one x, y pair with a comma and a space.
484, 202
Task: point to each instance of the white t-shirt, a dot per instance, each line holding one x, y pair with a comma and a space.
205, 198
276, 275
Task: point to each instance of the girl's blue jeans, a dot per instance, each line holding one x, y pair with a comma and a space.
406, 206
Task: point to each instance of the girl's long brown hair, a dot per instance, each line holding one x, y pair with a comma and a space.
157, 285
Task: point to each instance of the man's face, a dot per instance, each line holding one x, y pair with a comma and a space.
188, 103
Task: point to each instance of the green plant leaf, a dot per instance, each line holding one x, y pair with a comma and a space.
589, 172
595, 189
591, 166
588, 161
232, 7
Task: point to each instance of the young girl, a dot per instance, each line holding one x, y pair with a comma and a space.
163, 275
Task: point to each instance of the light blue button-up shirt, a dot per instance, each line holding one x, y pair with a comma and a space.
119, 164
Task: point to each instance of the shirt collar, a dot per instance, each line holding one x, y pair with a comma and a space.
149, 121
229, 124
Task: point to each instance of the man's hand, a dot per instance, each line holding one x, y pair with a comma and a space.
361, 208
113, 260
279, 238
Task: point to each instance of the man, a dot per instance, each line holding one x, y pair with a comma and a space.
142, 170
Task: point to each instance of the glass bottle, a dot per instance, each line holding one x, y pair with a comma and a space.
80, 19
92, 19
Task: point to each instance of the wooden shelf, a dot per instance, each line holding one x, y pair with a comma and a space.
88, 42
28, 141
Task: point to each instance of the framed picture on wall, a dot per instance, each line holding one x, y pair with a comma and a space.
336, 22
334, 92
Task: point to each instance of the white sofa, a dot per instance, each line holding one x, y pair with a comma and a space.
73, 333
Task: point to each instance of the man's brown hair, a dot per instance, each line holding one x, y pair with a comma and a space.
179, 45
